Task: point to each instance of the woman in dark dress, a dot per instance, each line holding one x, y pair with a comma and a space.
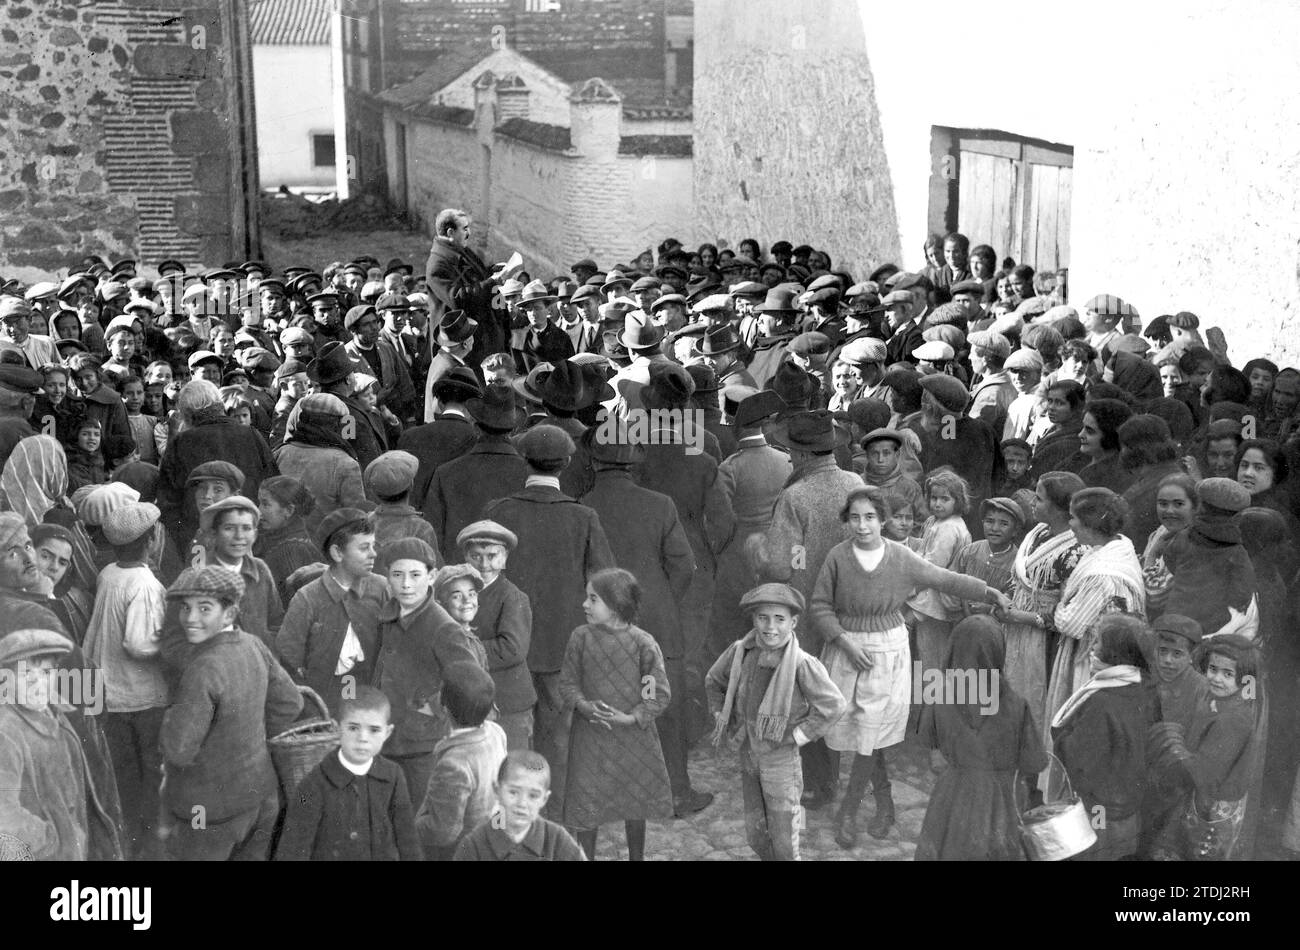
1099, 442
986, 740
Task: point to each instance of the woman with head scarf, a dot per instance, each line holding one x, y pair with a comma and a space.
317, 455
1107, 579
34, 483
1099, 734
987, 733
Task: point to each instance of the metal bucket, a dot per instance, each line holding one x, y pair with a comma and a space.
1057, 830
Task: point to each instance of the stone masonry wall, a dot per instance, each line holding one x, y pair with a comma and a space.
118, 133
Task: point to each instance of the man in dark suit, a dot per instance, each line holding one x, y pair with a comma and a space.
490, 469
332, 371
906, 335
451, 433
544, 342
458, 279
455, 340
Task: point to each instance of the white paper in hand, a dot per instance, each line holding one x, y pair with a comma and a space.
515, 263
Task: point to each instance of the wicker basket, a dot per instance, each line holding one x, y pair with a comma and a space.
300, 748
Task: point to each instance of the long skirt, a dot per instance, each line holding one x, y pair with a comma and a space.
878, 699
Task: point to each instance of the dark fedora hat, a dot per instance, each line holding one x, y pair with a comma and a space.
399, 266
333, 365
813, 431
701, 287
570, 387
794, 384
778, 301
719, 339
495, 409
530, 386
756, 407
458, 385
640, 334
456, 327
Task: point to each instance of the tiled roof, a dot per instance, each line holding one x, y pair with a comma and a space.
554, 137
667, 146
444, 69
290, 22
450, 115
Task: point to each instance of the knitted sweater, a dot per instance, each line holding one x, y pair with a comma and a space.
848, 598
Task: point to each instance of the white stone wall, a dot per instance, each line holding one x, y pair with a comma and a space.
1183, 115
291, 86
548, 96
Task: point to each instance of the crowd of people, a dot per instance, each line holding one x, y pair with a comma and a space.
528, 542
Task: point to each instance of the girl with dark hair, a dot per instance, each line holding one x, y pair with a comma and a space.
1225, 384
1149, 452
1107, 579
750, 248
1100, 733
857, 608
615, 682
1057, 449
1099, 441
1262, 469
1175, 508
1215, 759
1260, 374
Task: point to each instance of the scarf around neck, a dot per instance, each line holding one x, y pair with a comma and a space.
774, 709
1111, 677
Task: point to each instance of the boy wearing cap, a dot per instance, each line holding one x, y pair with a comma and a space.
232, 695
50, 806
992, 392
504, 625
124, 640
230, 527
561, 543
388, 480
330, 634
770, 698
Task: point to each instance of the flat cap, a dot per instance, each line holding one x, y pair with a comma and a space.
357, 314
392, 473
713, 302
967, 287
1024, 359
546, 443
1184, 320
665, 299
42, 290
897, 298
487, 531
748, 288
218, 583
886, 434
412, 549
14, 307
1008, 506
782, 595
1179, 626
994, 344
208, 516
204, 356
332, 522
810, 342
934, 351
646, 283
451, 573
257, 358
864, 349
93, 503
1224, 494
124, 524
20, 379
393, 302
218, 470
29, 644
292, 336
948, 390
826, 281
1108, 305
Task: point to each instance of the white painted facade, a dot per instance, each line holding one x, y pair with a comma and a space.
292, 86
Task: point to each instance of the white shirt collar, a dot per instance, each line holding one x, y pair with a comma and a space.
552, 481
355, 769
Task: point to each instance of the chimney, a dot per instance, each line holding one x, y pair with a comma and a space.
596, 117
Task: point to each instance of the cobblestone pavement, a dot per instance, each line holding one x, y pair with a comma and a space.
718, 832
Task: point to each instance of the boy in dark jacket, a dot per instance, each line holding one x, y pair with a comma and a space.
354, 806
233, 695
517, 831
